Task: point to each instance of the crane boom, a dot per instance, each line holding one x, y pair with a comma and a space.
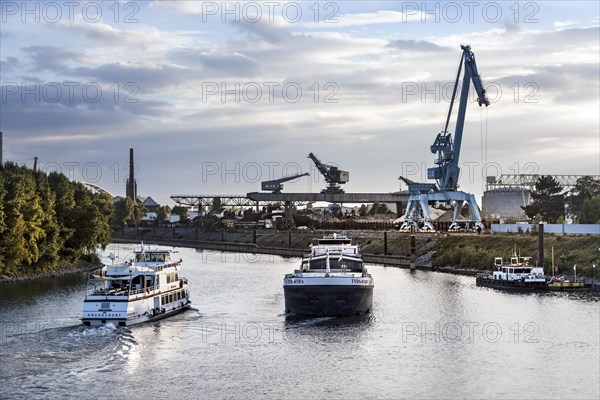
447, 170
276, 185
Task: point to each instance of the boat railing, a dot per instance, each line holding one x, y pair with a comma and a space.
147, 289
102, 291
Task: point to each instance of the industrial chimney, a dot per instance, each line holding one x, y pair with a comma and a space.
131, 187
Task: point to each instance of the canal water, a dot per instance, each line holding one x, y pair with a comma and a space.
430, 335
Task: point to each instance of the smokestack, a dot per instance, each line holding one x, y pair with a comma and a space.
1, 161
131, 185
35, 159
541, 245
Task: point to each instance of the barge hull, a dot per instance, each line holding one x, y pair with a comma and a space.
511, 285
328, 300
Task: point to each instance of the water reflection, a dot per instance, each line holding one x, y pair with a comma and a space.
238, 344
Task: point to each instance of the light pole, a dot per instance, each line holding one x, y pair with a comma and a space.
575, 269
594, 280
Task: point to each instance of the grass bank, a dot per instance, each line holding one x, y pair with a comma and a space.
453, 252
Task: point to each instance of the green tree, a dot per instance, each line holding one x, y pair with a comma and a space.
579, 200
162, 214
362, 211
46, 218
548, 200
379, 208
138, 213
51, 243
2, 223
590, 211
24, 218
123, 212
181, 211
216, 204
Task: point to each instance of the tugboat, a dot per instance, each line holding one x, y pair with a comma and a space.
516, 275
332, 281
146, 288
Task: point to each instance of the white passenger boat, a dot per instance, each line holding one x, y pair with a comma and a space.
145, 288
332, 281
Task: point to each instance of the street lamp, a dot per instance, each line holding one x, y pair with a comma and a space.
594, 280
575, 269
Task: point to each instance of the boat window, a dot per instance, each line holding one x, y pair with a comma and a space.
138, 257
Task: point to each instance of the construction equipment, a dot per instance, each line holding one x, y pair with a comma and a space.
447, 171
333, 176
276, 185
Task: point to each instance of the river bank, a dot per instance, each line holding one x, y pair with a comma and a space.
374, 249
464, 254
60, 271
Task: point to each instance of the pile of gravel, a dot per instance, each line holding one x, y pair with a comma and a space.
424, 260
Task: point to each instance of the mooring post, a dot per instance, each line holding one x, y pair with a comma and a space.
541, 245
290, 239
385, 249
222, 235
413, 248
254, 236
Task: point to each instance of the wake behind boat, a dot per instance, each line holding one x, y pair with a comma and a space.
146, 288
332, 281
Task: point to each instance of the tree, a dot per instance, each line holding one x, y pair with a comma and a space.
162, 214
216, 204
548, 200
24, 218
123, 211
379, 208
580, 200
46, 218
138, 213
362, 211
590, 211
181, 211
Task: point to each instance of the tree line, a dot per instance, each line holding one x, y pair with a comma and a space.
47, 220
552, 204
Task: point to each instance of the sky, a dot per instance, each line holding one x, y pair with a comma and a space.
216, 97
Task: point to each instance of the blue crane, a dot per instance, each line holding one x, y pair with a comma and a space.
446, 172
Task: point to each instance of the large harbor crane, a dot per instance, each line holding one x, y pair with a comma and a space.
447, 171
333, 176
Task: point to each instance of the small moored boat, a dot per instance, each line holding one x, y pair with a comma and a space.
515, 275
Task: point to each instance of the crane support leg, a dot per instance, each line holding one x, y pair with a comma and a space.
418, 204
288, 218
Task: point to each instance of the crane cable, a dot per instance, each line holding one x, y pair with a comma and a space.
482, 155
483, 125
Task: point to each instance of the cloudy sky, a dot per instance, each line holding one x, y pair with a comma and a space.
217, 96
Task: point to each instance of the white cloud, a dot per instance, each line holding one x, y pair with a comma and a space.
374, 117
373, 18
